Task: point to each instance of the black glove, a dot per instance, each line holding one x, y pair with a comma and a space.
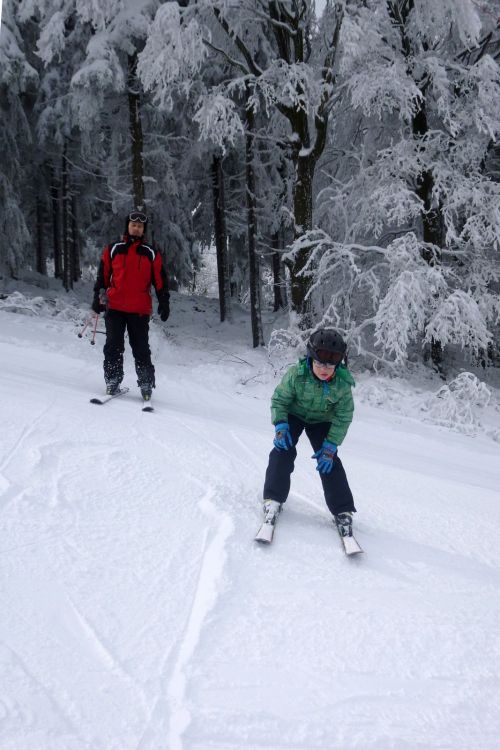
163, 308
97, 305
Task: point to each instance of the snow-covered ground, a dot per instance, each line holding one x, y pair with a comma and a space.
136, 611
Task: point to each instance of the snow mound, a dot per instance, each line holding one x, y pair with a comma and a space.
456, 405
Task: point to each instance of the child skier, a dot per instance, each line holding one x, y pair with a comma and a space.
315, 396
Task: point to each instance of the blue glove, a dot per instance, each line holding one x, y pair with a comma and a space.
282, 439
325, 456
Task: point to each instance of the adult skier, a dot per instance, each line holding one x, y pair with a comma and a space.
314, 395
123, 291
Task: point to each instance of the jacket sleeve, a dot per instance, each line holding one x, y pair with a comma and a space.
283, 397
160, 281
344, 410
104, 271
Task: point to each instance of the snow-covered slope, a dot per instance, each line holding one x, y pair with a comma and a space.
138, 614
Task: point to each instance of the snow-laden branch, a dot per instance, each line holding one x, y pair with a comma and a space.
173, 55
15, 71
52, 40
218, 119
458, 320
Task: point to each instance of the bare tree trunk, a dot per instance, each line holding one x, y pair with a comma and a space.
75, 245
291, 29
41, 260
431, 215
302, 209
431, 221
277, 272
56, 230
221, 239
67, 274
253, 260
136, 136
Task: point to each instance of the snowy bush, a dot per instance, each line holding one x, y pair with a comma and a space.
454, 405
19, 303
43, 306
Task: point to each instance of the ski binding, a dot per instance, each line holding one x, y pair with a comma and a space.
271, 512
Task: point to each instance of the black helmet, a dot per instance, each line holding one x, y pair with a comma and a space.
136, 215
326, 346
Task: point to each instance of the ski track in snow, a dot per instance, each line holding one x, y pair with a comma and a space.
207, 591
138, 614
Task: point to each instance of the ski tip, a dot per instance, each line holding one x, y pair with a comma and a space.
96, 401
148, 407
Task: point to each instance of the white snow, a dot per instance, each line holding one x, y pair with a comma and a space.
137, 613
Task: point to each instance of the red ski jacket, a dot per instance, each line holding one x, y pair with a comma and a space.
127, 271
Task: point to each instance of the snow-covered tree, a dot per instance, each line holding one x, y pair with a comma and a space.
276, 50
17, 78
423, 79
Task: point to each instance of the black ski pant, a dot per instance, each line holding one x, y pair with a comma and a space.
138, 334
338, 494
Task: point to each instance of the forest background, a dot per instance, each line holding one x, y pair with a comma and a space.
341, 158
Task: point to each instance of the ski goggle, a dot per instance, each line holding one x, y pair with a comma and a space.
138, 216
325, 357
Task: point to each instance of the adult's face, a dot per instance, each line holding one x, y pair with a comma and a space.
135, 228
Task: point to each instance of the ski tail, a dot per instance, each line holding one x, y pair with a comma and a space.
101, 400
349, 541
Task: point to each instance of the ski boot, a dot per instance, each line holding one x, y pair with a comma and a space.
112, 389
146, 392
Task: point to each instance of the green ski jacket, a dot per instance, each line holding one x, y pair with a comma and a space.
312, 400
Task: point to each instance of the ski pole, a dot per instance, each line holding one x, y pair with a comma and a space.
92, 340
87, 323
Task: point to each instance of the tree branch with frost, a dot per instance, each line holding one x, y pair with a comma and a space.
52, 39
290, 86
402, 313
173, 54
241, 46
218, 119
328, 71
230, 60
458, 320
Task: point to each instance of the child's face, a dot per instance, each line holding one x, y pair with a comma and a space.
323, 372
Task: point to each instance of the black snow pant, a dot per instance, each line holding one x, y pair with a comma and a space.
138, 333
338, 495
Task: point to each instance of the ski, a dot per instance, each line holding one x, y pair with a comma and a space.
349, 542
266, 532
104, 399
146, 406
